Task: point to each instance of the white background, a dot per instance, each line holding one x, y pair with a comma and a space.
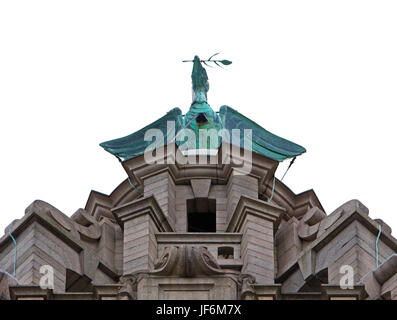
75, 73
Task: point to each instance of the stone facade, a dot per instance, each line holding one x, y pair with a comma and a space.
136, 244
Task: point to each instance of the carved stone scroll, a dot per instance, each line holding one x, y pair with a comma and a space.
186, 261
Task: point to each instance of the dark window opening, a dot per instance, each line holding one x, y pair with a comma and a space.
201, 215
201, 118
225, 253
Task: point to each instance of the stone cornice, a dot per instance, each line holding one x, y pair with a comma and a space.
259, 208
139, 170
49, 223
141, 207
263, 169
344, 221
296, 204
360, 214
267, 291
202, 237
99, 204
59, 229
336, 292
28, 292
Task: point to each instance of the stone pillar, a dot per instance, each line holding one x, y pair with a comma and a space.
141, 219
288, 245
256, 220
237, 186
162, 187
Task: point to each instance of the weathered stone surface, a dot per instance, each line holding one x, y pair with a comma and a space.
162, 187
197, 288
134, 244
200, 187
257, 221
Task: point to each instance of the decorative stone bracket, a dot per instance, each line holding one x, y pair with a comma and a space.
186, 261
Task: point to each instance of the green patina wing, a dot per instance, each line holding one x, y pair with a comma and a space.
263, 141
202, 119
135, 144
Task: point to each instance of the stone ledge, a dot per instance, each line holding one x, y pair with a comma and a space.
198, 237
267, 292
332, 292
141, 207
26, 292
256, 207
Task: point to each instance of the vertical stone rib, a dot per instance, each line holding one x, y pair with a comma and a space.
141, 219
256, 220
237, 186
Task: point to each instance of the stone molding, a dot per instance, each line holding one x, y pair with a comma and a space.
186, 261
202, 237
381, 281
201, 187
259, 208
329, 228
140, 207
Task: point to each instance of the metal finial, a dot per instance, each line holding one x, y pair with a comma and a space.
217, 62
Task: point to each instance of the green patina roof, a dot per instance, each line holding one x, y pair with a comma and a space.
263, 141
